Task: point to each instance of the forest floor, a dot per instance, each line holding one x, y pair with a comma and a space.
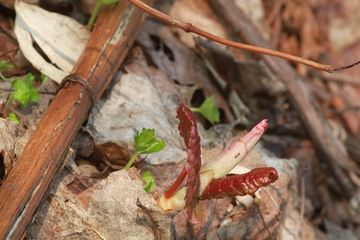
312, 140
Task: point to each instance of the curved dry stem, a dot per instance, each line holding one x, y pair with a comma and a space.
346, 67
188, 27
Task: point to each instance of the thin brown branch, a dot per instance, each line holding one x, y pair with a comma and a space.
347, 66
153, 223
188, 27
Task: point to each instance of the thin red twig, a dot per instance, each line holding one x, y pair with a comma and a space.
174, 187
188, 27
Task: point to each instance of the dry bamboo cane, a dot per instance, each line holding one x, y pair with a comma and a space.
28, 181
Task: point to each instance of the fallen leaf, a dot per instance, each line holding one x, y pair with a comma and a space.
59, 37
106, 210
124, 112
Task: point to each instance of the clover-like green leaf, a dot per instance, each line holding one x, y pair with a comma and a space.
12, 117
209, 110
155, 146
5, 65
24, 91
148, 178
143, 138
145, 142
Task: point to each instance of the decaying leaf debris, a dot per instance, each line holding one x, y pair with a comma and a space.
93, 197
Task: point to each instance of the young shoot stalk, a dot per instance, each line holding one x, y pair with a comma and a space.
218, 169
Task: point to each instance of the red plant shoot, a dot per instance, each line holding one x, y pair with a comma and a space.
210, 181
240, 184
176, 184
188, 130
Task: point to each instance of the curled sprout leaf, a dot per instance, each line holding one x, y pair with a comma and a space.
148, 178
12, 117
209, 110
24, 91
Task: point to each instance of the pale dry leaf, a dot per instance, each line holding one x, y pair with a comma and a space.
106, 210
12, 142
139, 100
61, 39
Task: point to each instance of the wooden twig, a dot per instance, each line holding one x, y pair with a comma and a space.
330, 148
188, 27
28, 181
153, 223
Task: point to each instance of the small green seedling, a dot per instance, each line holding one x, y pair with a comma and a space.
148, 178
209, 110
145, 143
4, 65
12, 117
24, 91
43, 78
96, 10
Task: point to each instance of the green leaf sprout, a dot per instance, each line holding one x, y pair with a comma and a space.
148, 178
24, 91
12, 117
4, 65
96, 10
44, 78
145, 143
209, 110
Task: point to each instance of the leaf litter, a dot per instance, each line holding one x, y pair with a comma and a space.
231, 219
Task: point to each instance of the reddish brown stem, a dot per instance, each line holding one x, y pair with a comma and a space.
240, 185
188, 27
176, 184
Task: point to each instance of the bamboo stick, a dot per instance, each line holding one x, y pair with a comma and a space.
28, 181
